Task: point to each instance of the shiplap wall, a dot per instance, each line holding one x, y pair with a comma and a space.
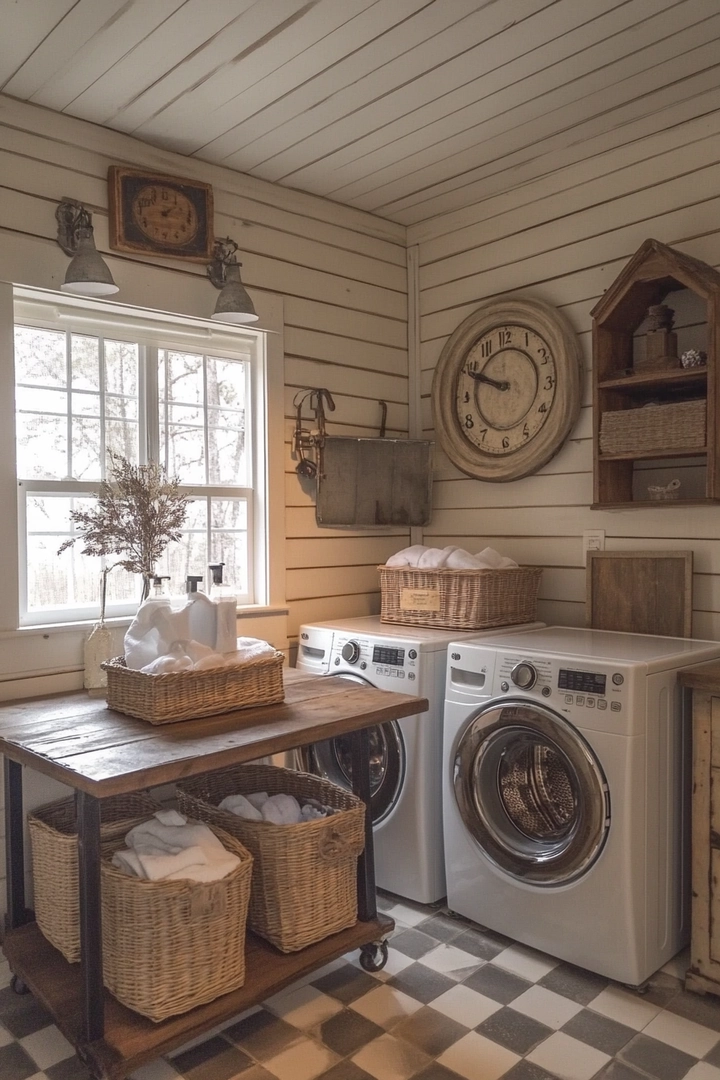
342, 276
563, 238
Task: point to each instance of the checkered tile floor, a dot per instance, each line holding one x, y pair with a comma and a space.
453, 1001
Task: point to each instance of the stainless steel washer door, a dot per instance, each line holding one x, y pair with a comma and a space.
531, 793
332, 760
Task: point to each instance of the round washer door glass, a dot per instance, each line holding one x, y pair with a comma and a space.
332, 759
531, 793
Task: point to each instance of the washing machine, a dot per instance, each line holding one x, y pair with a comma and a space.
405, 763
566, 793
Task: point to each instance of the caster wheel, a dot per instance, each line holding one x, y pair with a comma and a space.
18, 986
373, 957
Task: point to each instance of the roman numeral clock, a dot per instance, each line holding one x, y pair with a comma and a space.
506, 390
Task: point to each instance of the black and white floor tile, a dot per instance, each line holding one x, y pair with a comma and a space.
454, 1002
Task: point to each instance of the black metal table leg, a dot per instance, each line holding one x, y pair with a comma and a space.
360, 750
17, 913
88, 825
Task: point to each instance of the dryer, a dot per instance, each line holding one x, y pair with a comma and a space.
566, 793
405, 766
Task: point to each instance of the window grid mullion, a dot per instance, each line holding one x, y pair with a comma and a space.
68, 403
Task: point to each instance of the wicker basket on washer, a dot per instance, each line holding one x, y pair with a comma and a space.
171, 945
304, 884
53, 844
459, 599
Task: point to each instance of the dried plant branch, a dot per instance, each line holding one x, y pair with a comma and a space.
138, 512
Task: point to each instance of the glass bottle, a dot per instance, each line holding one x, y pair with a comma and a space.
99, 647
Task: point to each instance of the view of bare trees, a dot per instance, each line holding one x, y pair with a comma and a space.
78, 398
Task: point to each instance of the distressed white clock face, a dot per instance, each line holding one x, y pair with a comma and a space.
506, 390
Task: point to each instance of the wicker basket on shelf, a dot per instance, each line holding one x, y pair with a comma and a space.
171, 945
186, 695
53, 845
304, 876
459, 599
680, 424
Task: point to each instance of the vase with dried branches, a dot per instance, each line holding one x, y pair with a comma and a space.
137, 513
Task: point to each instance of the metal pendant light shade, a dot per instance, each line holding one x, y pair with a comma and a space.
88, 274
233, 304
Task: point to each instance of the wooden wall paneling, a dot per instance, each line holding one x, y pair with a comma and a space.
547, 116
422, 93
513, 74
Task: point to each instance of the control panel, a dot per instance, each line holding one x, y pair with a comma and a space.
568, 684
374, 658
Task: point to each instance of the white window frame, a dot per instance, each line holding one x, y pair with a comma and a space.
268, 520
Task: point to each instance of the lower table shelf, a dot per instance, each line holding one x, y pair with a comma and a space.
131, 1040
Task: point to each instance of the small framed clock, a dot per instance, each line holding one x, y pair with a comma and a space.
151, 214
507, 388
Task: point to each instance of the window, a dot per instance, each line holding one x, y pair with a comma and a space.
94, 379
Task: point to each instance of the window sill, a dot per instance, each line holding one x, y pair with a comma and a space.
250, 611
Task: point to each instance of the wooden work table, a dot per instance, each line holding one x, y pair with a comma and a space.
100, 752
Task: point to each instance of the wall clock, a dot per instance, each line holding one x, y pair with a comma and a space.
152, 214
506, 390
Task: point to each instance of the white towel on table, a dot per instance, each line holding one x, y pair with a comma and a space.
493, 560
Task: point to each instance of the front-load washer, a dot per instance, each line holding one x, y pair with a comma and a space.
405, 763
566, 793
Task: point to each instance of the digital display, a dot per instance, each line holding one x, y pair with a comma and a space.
586, 682
383, 655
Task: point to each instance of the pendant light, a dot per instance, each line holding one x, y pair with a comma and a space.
88, 274
233, 304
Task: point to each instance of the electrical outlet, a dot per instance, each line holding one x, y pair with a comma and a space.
593, 540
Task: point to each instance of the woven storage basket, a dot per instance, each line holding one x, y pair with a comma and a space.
185, 695
304, 876
53, 843
654, 427
459, 599
171, 945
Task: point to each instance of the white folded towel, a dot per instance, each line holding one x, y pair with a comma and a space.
493, 560
459, 559
282, 810
257, 798
169, 847
238, 804
407, 557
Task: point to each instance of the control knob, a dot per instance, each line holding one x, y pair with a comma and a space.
351, 652
524, 675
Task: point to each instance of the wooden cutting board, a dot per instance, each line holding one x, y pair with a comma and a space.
640, 592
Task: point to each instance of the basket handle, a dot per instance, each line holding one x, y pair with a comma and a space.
333, 846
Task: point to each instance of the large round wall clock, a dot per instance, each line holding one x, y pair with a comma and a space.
506, 390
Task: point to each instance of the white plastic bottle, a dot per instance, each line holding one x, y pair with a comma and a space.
226, 601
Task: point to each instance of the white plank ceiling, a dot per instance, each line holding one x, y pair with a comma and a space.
406, 108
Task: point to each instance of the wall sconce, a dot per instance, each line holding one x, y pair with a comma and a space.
233, 304
87, 274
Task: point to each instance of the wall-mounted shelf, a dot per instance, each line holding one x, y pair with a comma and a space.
630, 433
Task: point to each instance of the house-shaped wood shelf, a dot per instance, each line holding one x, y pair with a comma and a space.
654, 272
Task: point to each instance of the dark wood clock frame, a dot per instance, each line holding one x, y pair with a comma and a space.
126, 235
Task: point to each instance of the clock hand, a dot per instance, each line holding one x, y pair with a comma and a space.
479, 377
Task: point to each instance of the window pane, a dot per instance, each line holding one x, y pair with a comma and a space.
86, 448
41, 447
228, 540
122, 359
184, 453
40, 356
123, 438
226, 391
57, 580
190, 554
85, 353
